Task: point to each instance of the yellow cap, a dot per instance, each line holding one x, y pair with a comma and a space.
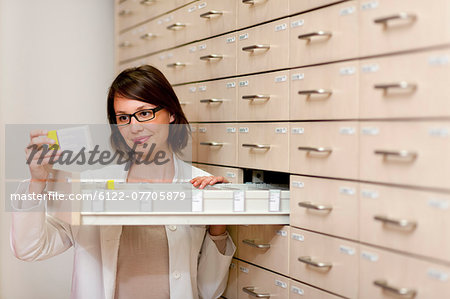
54, 136
110, 184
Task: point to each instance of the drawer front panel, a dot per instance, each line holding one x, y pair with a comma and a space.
217, 143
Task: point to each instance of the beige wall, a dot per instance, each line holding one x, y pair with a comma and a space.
56, 61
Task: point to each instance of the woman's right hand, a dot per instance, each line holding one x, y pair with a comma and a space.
40, 169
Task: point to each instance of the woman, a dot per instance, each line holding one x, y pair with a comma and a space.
115, 262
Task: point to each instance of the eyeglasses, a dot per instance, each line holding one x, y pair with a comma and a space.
140, 116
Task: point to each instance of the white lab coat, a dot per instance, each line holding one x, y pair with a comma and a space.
196, 268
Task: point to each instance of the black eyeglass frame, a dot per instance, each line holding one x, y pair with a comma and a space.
153, 110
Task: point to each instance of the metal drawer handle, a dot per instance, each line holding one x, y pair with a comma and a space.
318, 207
249, 2
176, 64
403, 223
147, 2
210, 14
402, 16
255, 47
125, 12
211, 57
262, 146
256, 96
308, 36
404, 292
315, 91
211, 101
176, 26
256, 245
315, 149
400, 85
251, 292
400, 154
148, 36
308, 260
125, 44
212, 143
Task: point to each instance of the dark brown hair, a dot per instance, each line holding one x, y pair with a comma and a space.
147, 84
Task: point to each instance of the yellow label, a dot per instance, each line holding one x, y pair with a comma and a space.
54, 136
110, 184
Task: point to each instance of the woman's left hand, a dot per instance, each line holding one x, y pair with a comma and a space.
201, 181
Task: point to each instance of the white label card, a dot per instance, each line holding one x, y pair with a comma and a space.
243, 269
295, 77
202, 88
297, 130
243, 83
230, 175
369, 5
243, 130
274, 200
282, 233
280, 130
369, 256
280, 283
280, 27
192, 89
298, 237
202, 5
243, 36
370, 68
231, 39
347, 131
197, 200
297, 290
347, 250
239, 201
202, 130
370, 131
347, 11
347, 71
231, 84
298, 184
437, 274
231, 130
369, 194
297, 23
279, 79
347, 190
192, 8
202, 47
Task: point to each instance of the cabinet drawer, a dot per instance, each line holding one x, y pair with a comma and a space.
181, 25
264, 146
388, 26
326, 206
325, 149
187, 96
264, 97
264, 47
251, 12
217, 143
406, 220
232, 288
179, 65
324, 92
256, 282
128, 45
217, 57
296, 6
217, 100
299, 290
215, 17
411, 85
265, 245
326, 262
324, 35
233, 175
132, 12
384, 274
415, 153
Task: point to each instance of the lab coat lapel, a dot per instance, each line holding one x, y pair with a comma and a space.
110, 239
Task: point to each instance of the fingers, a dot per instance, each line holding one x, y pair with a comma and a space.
202, 181
36, 133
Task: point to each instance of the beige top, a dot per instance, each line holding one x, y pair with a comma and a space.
143, 262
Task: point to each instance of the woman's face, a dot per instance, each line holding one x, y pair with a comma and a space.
141, 135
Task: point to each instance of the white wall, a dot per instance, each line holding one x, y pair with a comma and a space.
56, 62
